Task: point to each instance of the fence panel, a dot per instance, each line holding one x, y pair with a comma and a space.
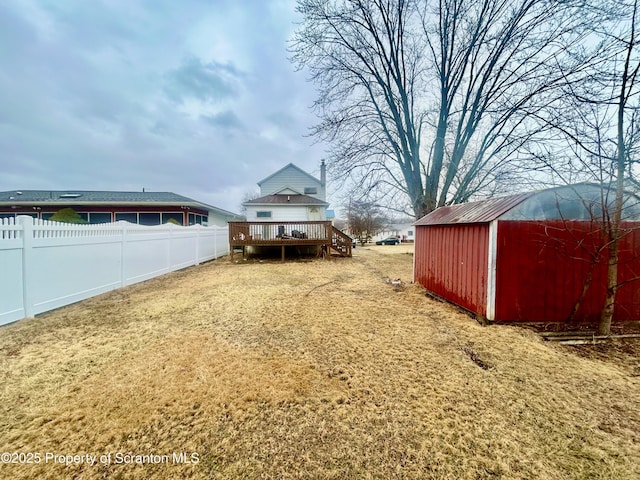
11, 278
146, 254
46, 265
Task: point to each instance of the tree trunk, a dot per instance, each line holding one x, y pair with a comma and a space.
585, 288
626, 86
604, 328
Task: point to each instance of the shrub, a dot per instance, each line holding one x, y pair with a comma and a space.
67, 215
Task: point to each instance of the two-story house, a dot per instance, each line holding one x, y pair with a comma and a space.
290, 194
291, 212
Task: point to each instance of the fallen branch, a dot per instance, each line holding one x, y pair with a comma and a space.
319, 286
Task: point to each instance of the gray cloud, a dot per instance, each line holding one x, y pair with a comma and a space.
226, 120
210, 81
195, 97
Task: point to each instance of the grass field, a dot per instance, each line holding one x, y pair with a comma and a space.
319, 369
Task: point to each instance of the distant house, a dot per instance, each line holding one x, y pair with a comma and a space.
290, 194
404, 231
145, 208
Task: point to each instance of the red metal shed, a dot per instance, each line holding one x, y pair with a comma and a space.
529, 257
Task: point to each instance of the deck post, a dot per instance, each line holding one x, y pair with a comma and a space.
283, 253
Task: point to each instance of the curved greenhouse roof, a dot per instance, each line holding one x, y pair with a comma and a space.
583, 201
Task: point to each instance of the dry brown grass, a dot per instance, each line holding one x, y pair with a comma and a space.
309, 370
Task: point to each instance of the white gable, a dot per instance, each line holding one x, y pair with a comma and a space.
287, 191
293, 178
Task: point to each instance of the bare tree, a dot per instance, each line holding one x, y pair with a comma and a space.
364, 220
366, 58
497, 63
247, 197
431, 98
627, 89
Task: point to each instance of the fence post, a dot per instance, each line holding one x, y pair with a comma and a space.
170, 242
123, 254
197, 227
215, 241
27, 262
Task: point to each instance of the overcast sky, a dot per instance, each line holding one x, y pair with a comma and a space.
194, 97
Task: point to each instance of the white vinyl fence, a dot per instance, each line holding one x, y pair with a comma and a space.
46, 265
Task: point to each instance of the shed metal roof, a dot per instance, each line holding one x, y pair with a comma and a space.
484, 211
581, 201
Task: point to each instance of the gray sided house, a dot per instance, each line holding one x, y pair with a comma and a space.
291, 213
290, 194
145, 208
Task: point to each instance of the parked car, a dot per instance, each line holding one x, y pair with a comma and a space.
388, 241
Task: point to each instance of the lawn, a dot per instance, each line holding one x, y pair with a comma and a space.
309, 369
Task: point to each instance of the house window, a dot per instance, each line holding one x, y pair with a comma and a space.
263, 214
175, 216
127, 217
99, 217
149, 218
410, 233
310, 190
195, 219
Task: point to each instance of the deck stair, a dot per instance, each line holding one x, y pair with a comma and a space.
341, 242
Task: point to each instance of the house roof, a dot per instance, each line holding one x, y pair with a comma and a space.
290, 165
473, 212
286, 200
92, 197
581, 201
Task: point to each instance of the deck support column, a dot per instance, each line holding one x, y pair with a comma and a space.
283, 253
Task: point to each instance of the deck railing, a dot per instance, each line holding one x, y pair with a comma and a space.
283, 234
341, 242
279, 233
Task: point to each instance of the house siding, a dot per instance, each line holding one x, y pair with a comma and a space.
282, 213
291, 177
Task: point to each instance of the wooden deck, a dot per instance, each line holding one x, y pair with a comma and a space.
283, 234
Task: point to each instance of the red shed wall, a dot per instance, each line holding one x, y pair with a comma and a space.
542, 266
451, 261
